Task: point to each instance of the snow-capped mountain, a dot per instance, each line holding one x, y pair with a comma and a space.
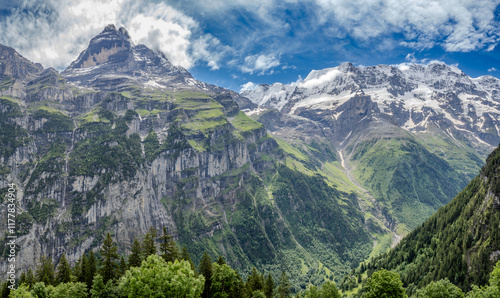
410, 95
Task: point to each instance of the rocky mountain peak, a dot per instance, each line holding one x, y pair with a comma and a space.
112, 60
12, 64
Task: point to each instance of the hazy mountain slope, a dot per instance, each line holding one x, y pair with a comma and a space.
123, 140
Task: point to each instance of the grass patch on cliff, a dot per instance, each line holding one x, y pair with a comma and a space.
244, 123
56, 119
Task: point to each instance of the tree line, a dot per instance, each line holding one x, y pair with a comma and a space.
150, 270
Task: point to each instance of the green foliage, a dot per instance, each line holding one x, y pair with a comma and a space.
168, 249
73, 290
405, 176
45, 271
490, 291
284, 287
40, 290
454, 243
63, 270
89, 269
12, 136
148, 244
225, 282
384, 284
56, 121
135, 258
112, 153
440, 289
110, 256
205, 269
24, 222
157, 278
151, 145
100, 290
269, 286
21, 292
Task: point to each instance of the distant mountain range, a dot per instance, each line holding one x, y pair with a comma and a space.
412, 135
341, 165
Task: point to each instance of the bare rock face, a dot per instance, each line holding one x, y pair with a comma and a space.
12, 64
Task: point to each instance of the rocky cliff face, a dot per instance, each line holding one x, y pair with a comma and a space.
122, 140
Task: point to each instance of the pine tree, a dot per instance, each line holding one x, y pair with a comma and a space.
185, 256
63, 270
205, 269
284, 290
135, 259
22, 279
254, 281
168, 248
30, 278
110, 256
148, 245
123, 267
90, 269
45, 271
79, 269
269, 286
221, 260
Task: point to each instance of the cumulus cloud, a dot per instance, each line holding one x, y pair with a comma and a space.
261, 64
316, 78
492, 69
457, 26
54, 32
249, 86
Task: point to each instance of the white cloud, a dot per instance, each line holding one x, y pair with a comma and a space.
260, 63
249, 86
54, 32
458, 26
314, 79
492, 69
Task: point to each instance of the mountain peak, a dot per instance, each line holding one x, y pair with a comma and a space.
112, 56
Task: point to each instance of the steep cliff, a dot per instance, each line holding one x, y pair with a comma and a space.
122, 140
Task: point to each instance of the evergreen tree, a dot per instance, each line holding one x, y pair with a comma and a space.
135, 259
45, 271
186, 257
269, 286
22, 279
63, 270
110, 256
205, 269
168, 248
284, 288
221, 260
123, 266
5, 290
148, 245
79, 269
90, 269
30, 278
254, 281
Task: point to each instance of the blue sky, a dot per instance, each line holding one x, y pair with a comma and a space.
232, 43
